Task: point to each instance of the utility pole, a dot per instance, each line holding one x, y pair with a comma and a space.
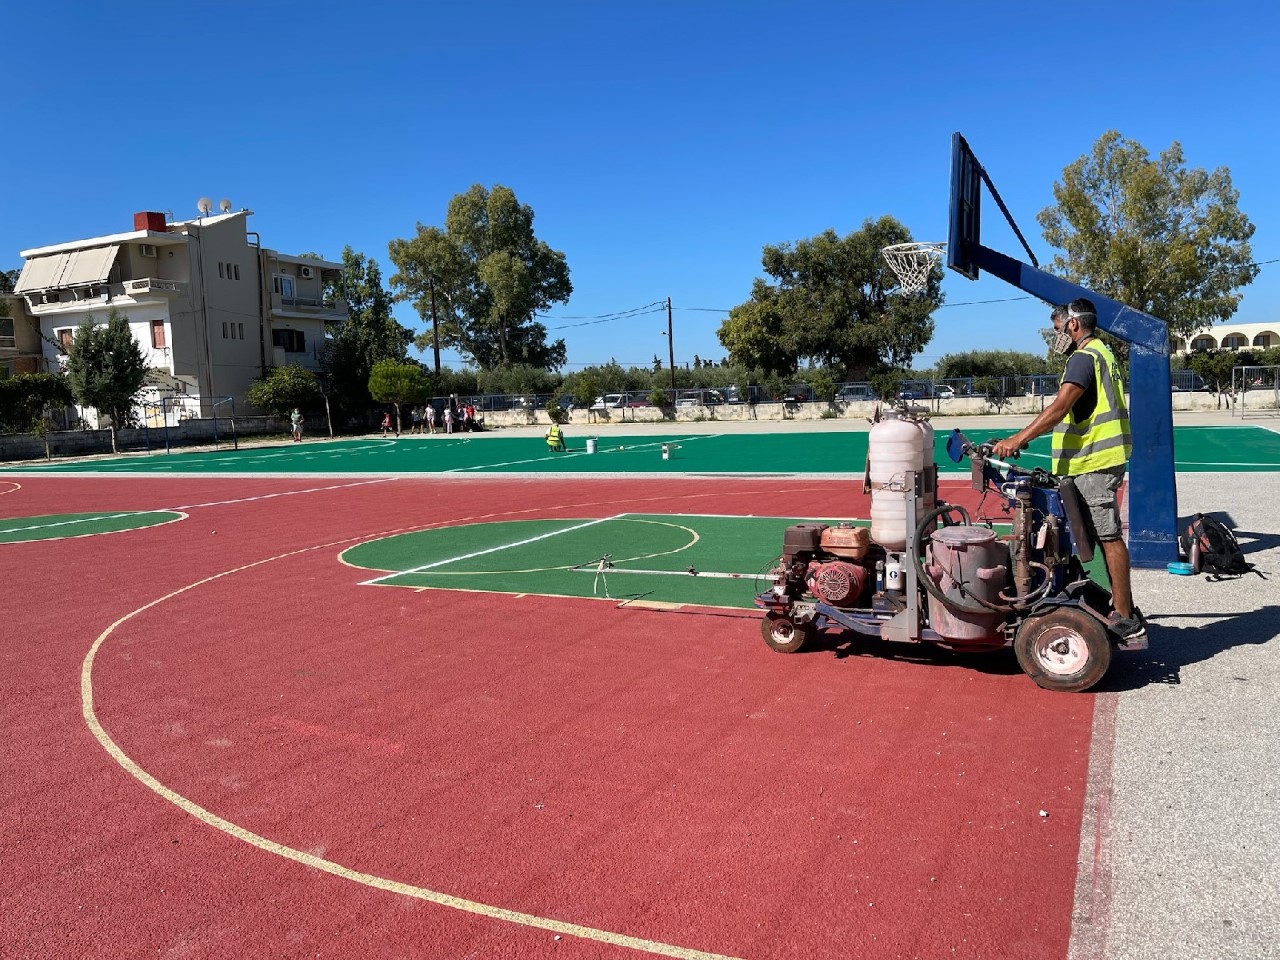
671, 346
435, 329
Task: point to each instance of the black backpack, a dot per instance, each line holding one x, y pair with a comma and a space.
1219, 551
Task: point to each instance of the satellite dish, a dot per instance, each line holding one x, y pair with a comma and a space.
204, 205
224, 205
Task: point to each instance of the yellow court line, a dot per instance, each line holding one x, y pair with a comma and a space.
311, 860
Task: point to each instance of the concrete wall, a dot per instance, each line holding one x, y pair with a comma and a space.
78, 443
814, 411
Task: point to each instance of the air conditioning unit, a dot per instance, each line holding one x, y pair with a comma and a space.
147, 249
304, 273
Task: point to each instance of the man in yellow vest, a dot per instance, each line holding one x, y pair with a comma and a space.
555, 438
1092, 443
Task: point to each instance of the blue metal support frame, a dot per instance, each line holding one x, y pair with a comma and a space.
1152, 495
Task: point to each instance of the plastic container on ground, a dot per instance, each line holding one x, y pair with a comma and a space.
591, 444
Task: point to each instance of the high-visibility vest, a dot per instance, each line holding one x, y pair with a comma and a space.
1104, 439
553, 435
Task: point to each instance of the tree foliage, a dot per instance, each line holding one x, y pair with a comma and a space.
284, 388
25, 396
369, 333
8, 280
106, 368
396, 383
991, 363
1152, 234
490, 275
833, 301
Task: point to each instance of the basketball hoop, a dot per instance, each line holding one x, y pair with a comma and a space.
913, 264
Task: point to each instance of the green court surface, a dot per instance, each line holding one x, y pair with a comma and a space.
64, 525
709, 561
651, 556
1225, 448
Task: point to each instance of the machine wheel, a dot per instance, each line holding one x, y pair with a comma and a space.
783, 635
1065, 650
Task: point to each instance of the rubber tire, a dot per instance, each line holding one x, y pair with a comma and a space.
1087, 661
783, 635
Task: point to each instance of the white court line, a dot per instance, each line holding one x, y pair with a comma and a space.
283, 493
90, 519
481, 553
190, 506
582, 453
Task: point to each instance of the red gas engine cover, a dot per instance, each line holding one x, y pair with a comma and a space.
837, 583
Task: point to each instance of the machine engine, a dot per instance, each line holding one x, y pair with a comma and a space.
838, 582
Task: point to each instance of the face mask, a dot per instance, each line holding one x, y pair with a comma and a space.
1062, 343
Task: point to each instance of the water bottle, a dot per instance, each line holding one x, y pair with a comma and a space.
879, 576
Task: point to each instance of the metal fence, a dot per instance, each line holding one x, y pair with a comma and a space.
985, 388
1256, 390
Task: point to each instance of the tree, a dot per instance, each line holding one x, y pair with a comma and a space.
369, 333
1215, 367
991, 363
25, 397
106, 369
397, 383
1152, 234
8, 280
490, 276
834, 301
284, 388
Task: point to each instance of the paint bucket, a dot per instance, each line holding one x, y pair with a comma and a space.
666, 452
591, 444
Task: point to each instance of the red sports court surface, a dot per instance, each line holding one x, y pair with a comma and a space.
221, 744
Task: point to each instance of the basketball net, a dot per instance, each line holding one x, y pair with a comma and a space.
913, 264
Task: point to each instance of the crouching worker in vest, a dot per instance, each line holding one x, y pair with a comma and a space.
1091, 444
555, 438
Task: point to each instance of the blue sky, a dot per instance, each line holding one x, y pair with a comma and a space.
660, 144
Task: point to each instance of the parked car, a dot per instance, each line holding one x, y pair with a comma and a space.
617, 401
944, 391
853, 393
695, 398
799, 393
610, 401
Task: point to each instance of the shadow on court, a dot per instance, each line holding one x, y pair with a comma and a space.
1174, 647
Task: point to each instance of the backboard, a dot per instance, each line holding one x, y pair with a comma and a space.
966, 208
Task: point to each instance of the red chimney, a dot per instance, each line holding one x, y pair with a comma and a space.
149, 221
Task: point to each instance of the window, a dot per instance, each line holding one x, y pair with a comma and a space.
64, 339
221, 275
236, 268
293, 341
240, 328
224, 329
283, 285
1204, 343
1233, 342
157, 334
1262, 340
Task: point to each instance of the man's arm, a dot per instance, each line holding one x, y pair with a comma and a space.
1049, 418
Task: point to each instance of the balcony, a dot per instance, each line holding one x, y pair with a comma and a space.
150, 287
308, 307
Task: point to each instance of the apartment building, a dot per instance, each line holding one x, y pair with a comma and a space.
209, 306
1230, 336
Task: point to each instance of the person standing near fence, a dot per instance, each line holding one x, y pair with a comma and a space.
295, 425
430, 415
448, 419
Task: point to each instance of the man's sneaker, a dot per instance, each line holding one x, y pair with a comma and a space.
1131, 631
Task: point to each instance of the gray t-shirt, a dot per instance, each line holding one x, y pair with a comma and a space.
1080, 372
